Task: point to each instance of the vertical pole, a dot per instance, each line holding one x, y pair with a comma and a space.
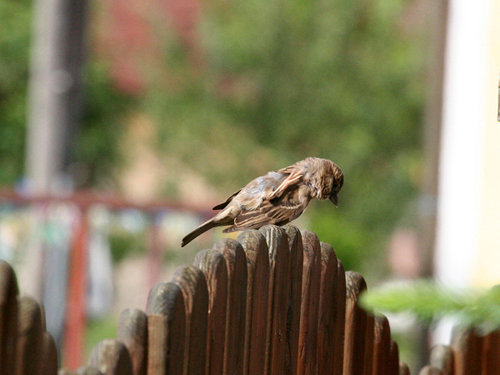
55, 94
55, 102
77, 293
437, 12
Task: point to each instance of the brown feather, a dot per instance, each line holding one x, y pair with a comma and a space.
222, 205
276, 197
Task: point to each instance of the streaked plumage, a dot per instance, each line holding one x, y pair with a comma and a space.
277, 197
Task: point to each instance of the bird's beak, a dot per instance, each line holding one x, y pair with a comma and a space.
335, 199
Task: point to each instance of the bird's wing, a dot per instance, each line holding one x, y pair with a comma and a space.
294, 176
220, 206
277, 212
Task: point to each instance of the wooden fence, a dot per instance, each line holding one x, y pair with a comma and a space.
275, 301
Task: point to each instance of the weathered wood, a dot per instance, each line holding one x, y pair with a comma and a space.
327, 317
369, 343
111, 357
355, 326
311, 280
48, 360
236, 263
491, 354
430, 370
403, 369
192, 282
296, 270
133, 332
340, 306
8, 318
30, 337
166, 330
466, 347
394, 365
442, 358
213, 265
382, 349
279, 296
255, 247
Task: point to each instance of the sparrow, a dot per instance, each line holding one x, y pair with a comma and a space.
277, 197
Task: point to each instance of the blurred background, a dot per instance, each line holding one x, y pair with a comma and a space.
122, 122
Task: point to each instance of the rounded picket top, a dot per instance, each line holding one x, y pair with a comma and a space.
236, 262
111, 357
133, 332
442, 357
161, 298
8, 318
193, 284
167, 317
256, 333
30, 339
213, 264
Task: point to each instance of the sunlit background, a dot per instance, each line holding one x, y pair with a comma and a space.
122, 122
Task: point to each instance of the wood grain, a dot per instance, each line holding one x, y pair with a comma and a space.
111, 358
236, 263
193, 285
279, 296
355, 326
166, 314
213, 265
256, 330
311, 280
133, 332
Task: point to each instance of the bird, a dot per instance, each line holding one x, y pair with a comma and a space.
277, 197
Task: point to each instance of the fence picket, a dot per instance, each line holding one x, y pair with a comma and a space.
491, 354
274, 301
311, 279
403, 369
30, 336
466, 346
296, 271
133, 333
394, 365
442, 357
369, 343
382, 349
8, 318
236, 305
327, 311
166, 314
355, 326
279, 297
256, 251
48, 360
341, 300
193, 284
213, 265
111, 357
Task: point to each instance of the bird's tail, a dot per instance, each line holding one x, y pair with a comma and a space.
195, 233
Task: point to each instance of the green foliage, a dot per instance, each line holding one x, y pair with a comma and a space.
279, 81
14, 57
104, 114
105, 106
429, 300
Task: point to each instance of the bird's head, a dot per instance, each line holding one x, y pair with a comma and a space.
331, 182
